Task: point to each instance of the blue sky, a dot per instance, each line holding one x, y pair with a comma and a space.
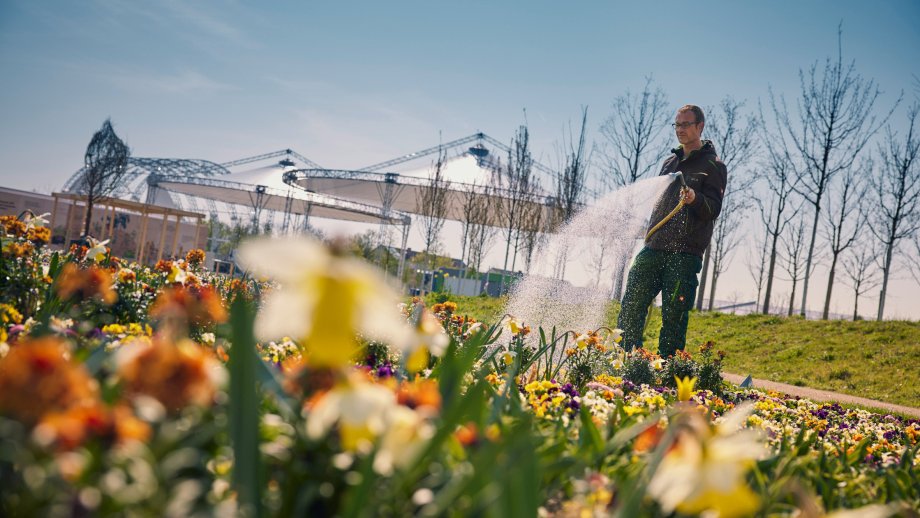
348, 84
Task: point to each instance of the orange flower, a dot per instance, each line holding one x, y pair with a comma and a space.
78, 251
126, 275
195, 257
14, 249
648, 439
467, 434
419, 394
177, 375
128, 427
13, 226
70, 428
194, 304
164, 266
82, 284
39, 235
37, 377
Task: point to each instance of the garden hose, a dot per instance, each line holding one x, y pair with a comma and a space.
680, 204
665, 219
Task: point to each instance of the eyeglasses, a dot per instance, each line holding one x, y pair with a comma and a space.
683, 125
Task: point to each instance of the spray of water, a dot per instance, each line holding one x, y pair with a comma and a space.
574, 273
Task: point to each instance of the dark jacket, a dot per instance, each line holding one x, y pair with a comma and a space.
691, 229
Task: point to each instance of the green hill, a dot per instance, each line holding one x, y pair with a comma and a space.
877, 360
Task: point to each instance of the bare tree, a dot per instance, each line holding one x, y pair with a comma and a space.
431, 205
844, 217
897, 190
914, 259
859, 272
570, 185
757, 263
779, 209
516, 181
533, 229
733, 134
106, 162
792, 257
833, 126
632, 147
570, 193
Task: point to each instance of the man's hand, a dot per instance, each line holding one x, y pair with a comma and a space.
688, 195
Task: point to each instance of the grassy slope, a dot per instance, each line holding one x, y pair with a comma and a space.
878, 360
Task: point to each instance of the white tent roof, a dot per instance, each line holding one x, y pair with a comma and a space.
265, 189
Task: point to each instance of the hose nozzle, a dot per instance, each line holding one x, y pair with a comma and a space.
680, 176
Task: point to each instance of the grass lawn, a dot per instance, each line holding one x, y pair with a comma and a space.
877, 360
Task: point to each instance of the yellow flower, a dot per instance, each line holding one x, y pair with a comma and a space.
582, 341
704, 471
97, 249
323, 301
508, 357
658, 364
685, 388
514, 326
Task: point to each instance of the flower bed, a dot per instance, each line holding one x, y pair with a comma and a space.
173, 391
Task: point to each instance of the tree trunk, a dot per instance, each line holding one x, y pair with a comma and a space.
792, 299
766, 298
811, 250
712, 289
881, 298
702, 290
856, 307
830, 287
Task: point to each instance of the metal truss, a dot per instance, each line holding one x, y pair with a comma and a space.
475, 137
274, 154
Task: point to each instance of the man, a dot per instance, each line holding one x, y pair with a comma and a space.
672, 256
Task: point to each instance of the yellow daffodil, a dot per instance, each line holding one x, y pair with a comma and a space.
177, 275
97, 249
429, 338
582, 341
685, 388
704, 471
658, 364
514, 326
508, 357
615, 336
324, 301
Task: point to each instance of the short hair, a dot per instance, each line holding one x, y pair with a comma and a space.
697, 111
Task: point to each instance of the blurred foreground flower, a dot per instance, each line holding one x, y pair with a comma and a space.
81, 284
38, 376
704, 471
176, 375
323, 301
367, 414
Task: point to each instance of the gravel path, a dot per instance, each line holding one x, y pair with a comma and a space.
823, 395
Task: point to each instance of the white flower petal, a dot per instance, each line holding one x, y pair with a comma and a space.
287, 260
285, 313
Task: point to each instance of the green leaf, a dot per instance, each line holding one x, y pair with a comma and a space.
244, 408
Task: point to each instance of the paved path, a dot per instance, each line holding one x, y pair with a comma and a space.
824, 395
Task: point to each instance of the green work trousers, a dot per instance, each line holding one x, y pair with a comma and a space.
674, 275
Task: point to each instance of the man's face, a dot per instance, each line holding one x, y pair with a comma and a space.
688, 130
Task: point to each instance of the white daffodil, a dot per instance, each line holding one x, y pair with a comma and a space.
429, 338
406, 434
658, 364
323, 300
361, 410
615, 337
514, 326
38, 221
704, 471
97, 249
582, 341
177, 275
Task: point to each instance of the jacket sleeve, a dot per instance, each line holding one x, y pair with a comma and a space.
708, 202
